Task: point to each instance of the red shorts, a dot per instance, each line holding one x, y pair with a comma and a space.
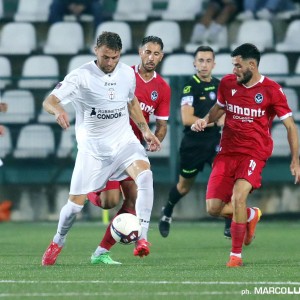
94, 197
227, 169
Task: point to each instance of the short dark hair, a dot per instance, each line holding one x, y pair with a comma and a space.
152, 39
110, 39
204, 49
247, 51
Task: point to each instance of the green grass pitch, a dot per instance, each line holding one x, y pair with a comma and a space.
189, 264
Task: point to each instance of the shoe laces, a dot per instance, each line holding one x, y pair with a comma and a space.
166, 219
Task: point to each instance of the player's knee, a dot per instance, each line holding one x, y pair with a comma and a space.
213, 210
73, 207
144, 180
183, 190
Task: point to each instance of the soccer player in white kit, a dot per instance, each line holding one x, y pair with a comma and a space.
102, 93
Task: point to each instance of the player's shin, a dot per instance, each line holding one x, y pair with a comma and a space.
144, 201
66, 219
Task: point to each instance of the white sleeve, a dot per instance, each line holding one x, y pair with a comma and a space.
67, 90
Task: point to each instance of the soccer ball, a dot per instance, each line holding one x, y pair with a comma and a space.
126, 229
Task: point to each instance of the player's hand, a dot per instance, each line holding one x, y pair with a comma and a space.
2, 130
199, 125
3, 107
62, 119
295, 170
152, 141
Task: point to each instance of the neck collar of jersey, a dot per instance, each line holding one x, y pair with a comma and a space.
259, 81
136, 70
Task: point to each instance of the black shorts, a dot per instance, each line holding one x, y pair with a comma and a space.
195, 153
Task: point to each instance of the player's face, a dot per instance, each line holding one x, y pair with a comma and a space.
241, 68
107, 58
151, 55
204, 63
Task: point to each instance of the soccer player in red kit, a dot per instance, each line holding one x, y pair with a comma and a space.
154, 96
250, 101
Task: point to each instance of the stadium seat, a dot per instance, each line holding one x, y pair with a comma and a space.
35, 141
178, 64
130, 59
294, 78
133, 10
293, 101
6, 143
32, 11
281, 145
21, 107
40, 72
17, 38
121, 28
5, 71
223, 65
292, 97
67, 143
64, 38
290, 43
1, 9
220, 43
176, 11
45, 117
249, 32
79, 60
275, 66
168, 31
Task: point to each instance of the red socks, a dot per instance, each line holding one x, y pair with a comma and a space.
108, 241
238, 231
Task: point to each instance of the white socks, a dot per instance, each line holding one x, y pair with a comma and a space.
144, 201
66, 219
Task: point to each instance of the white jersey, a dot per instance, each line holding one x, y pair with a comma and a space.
100, 101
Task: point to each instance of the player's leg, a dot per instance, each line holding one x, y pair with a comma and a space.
108, 198
82, 181
67, 217
240, 193
142, 175
129, 193
182, 188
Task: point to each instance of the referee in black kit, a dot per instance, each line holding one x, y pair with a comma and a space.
197, 148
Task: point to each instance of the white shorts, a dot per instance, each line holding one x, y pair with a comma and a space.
91, 174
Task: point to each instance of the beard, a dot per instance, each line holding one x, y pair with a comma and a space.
246, 77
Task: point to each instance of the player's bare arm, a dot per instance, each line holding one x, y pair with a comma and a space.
2, 130
292, 136
161, 129
138, 118
188, 118
52, 105
3, 107
215, 113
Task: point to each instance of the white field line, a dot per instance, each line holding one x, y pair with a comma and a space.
153, 282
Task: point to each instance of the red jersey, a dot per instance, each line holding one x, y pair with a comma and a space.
154, 97
249, 115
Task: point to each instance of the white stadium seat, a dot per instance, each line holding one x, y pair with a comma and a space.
168, 31
133, 10
21, 107
290, 43
17, 38
32, 11
178, 12
35, 141
257, 32
64, 38
178, 64
39, 71
121, 28
5, 71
